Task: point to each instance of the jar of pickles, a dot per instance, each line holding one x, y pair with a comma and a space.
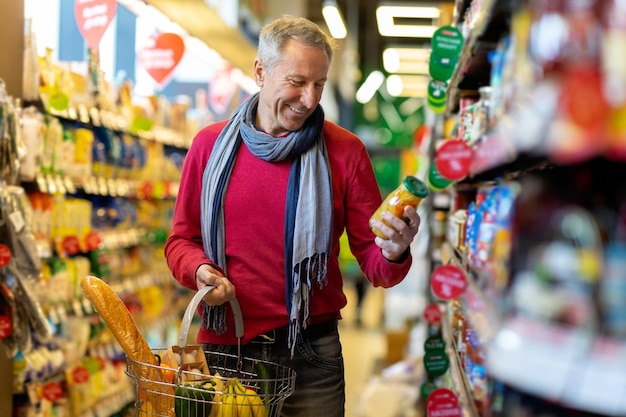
410, 192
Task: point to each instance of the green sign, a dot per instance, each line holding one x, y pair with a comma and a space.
447, 41
434, 343
436, 363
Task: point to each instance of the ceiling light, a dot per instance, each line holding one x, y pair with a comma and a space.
369, 87
407, 85
334, 19
406, 60
385, 16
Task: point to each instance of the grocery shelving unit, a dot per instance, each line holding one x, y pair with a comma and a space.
569, 369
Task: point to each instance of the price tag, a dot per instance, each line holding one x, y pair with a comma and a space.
80, 375
436, 363
432, 313
52, 391
442, 402
448, 282
426, 388
434, 343
453, 159
447, 41
5, 255
71, 245
6, 324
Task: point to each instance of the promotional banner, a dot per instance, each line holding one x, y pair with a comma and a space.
93, 18
161, 55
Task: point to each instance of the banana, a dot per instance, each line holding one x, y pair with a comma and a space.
241, 399
216, 410
254, 403
228, 407
257, 405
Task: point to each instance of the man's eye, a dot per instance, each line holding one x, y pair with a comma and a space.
297, 83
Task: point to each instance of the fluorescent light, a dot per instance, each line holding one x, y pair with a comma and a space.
407, 85
387, 27
369, 87
334, 20
406, 60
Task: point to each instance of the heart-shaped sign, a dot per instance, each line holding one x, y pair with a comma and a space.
93, 18
161, 55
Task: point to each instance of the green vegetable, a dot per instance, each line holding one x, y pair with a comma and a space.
267, 385
194, 400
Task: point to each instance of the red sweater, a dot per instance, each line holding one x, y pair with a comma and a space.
254, 231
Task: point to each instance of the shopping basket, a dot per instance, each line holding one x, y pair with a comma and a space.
235, 386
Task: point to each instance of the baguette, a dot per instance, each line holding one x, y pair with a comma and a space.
151, 383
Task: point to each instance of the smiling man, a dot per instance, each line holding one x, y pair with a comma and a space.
264, 198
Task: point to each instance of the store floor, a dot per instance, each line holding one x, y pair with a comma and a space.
364, 346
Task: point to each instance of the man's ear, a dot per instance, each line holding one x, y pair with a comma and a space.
259, 72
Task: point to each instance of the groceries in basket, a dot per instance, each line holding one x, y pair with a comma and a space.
185, 381
158, 396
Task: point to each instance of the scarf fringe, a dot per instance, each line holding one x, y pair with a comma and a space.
308, 271
214, 318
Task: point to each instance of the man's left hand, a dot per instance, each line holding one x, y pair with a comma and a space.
399, 235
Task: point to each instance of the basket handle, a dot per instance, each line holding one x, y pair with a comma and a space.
193, 306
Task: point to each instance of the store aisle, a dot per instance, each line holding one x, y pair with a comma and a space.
363, 346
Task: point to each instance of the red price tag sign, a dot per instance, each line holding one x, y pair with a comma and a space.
442, 402
448, 282
80, 375
52, 391
5, 255
6, 326
453, 159
93, 240
161, 55
432, 313
93, 18
71, 245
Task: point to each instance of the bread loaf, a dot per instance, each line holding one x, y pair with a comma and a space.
143, 362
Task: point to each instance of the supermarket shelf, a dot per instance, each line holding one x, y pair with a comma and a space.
98, 185
562, 364
474, 68
458, 379
481, 310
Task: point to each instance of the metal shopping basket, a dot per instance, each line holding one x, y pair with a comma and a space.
236, 387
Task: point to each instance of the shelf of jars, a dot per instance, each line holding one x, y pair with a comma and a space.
457, 377
103, 186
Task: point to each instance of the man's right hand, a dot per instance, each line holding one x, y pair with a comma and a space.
224, 289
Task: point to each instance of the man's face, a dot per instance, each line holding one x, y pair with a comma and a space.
292, 89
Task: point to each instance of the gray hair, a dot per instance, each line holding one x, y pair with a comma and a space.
275, 35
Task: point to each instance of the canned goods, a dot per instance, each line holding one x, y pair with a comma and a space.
410, 192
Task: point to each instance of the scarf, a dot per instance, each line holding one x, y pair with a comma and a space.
308, 211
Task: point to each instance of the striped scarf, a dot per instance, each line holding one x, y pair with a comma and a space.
308, 211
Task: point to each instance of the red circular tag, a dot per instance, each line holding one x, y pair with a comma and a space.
432, 313
448, 282
442, 402
71, 245
453, 159
5, 255
93, 240
52, 391
6, 326
80, 374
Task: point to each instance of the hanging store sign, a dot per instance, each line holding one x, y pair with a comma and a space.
443, 402
432, 313
448, 282
93, 18
453, 159
161, 55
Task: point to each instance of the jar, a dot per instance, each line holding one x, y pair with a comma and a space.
410, 192
482, 114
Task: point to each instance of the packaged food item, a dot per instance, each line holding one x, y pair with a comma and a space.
410, 192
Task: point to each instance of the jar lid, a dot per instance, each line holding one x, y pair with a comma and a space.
415, 186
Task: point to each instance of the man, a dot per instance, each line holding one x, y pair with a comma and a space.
263, 200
